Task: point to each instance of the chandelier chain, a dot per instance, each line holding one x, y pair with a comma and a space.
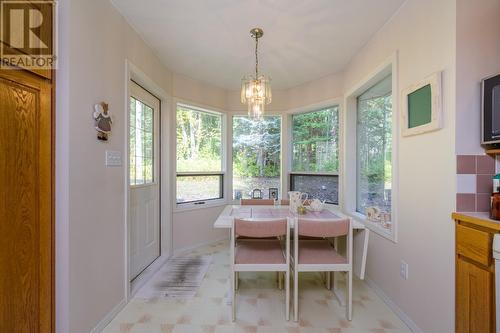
256, 57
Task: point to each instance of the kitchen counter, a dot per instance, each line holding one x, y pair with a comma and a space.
478, 218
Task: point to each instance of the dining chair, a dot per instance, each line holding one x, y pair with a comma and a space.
257, 202
320, 255
264, 255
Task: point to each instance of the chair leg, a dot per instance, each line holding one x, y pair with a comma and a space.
349, 296
332, 280
296, 295
237, 280
328, 281
233, 296
287, 295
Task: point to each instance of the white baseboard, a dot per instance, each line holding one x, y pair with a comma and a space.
192, 247
109, 317
393, 306
145, 275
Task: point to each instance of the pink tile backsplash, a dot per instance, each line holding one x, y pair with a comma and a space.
484, 184
466, 202
466, 164
485, 165
483, 202
482, 168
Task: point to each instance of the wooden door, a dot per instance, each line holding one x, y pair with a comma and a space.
474, 303
144, 180
26, 227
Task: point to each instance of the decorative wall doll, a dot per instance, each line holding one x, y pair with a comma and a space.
102, 121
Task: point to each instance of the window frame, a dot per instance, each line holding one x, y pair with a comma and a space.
202, 203
389, 66
358, 146
336, 102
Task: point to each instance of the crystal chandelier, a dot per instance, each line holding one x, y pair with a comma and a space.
256, 90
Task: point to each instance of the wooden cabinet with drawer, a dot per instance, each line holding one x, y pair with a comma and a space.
475, 273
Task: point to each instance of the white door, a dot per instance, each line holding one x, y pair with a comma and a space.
144, 179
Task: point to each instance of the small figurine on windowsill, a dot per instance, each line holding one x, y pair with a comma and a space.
102, 121
372, 214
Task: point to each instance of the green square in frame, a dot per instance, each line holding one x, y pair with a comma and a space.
420, 107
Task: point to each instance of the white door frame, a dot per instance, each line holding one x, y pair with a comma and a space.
132, 72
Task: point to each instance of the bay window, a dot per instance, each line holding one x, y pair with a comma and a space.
315, 154
256, 155
199, 152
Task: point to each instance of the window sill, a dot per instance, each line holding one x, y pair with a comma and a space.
379, 230
192, 206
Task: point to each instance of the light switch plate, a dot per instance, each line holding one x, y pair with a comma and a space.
113, 158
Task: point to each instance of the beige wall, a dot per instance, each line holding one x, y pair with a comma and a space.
423, 34
326, 88
96, 40
478, 56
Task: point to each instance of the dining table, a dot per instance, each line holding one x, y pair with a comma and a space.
360, 231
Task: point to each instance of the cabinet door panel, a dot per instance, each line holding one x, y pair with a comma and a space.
474, 298
26, 258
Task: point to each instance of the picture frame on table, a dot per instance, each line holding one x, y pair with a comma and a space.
273, 193
256, 194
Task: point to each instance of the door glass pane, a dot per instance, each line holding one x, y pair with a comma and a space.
374, 152
141, 143
256, 155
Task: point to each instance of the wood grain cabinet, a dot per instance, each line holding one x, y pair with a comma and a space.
27, 299
475, 273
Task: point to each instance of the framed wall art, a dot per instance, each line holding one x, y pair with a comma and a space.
421, 106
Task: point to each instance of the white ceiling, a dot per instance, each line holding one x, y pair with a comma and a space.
209, 40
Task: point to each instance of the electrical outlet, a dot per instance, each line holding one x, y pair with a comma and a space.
403, 270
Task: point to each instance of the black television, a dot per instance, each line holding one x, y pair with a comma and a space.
490, 114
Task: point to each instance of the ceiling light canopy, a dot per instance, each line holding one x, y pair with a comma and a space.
256, 90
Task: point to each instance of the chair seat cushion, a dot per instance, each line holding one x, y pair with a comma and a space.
259, 252
319, 252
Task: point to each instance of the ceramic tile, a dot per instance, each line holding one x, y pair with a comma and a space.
483, 202
466, 183
484, 184
485, 165
466, 164
466, 202
259, 306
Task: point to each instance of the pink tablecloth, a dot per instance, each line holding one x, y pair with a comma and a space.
277, 212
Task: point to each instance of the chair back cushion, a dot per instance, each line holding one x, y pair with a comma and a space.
260, 228
255, 202
323, 228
